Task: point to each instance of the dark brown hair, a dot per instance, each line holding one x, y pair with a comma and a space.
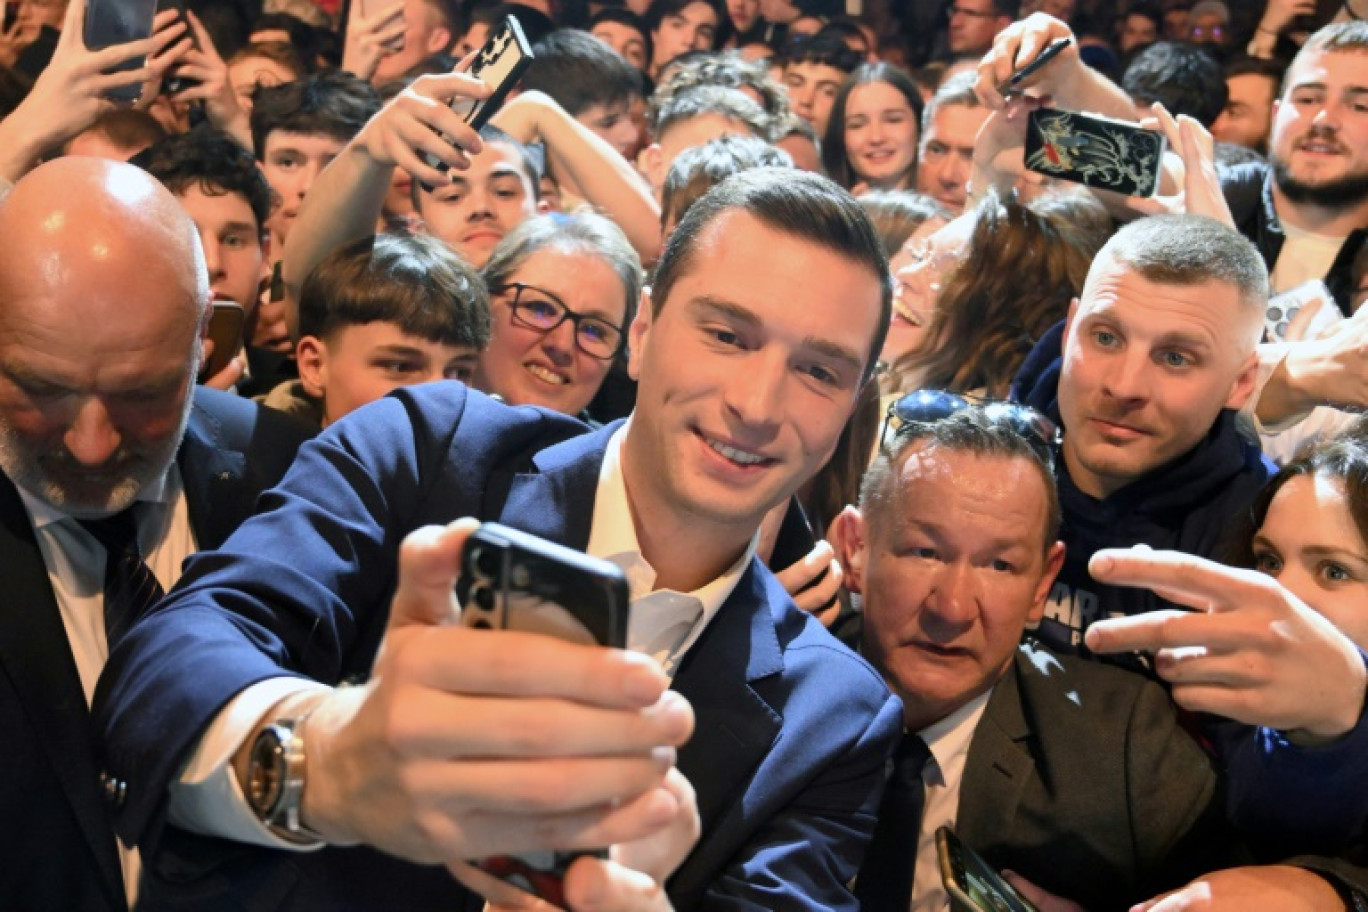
1018, 275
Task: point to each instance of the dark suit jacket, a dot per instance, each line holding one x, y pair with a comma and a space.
57, 847
793, 729
1080, 779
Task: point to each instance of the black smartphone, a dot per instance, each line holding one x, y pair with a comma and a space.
511, 580
11, 17
111, 22
506, 55
1099, 152
1052, 51
174, 83
225, 329
973, 885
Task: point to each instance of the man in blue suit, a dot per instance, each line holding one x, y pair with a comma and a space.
104, 300
767, 312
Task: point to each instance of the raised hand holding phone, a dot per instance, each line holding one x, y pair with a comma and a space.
374, 30
506, 55
431, 760
113, 22
71, 93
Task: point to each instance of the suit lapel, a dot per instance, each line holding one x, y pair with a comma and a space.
555, 499
998, 767
37, 658
212, 478
736, 725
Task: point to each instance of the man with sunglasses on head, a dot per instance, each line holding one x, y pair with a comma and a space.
1074, 775
764, 322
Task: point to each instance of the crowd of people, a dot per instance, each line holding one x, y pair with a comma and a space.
950, 492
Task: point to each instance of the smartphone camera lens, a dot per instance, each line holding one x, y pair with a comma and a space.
482, 596
485, 563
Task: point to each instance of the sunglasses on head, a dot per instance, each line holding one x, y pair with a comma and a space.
929, 406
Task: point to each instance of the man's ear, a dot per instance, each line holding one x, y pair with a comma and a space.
637, 334
1054, 561
311, 355
847, 537
653, 166
1244, 384
439, 40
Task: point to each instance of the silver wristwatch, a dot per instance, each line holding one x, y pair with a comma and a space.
275, 781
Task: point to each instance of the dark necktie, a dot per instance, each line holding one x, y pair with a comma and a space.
129, 586
884, 883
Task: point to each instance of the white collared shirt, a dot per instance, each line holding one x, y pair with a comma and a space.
943, 774
206, 798
75, 564
613, 537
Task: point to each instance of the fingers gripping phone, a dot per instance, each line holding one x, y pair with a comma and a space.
111, 22
1099, 152
511, 580
11, 17
973, 885
175, 83
506, 55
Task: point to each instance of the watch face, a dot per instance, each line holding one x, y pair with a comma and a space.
264, 772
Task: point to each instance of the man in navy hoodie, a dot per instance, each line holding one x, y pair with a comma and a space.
1144, 377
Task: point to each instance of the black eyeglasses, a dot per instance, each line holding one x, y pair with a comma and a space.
541, 310
929, 406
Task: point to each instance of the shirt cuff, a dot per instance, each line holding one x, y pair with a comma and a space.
207, 798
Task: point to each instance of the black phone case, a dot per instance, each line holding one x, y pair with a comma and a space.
174, 83
499, 64
513, 580
1097, 152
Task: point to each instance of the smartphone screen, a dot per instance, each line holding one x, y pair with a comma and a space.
111, 22
973, 885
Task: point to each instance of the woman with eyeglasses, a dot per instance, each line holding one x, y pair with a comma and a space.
563, 290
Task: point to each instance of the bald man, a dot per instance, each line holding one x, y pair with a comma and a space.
103, 300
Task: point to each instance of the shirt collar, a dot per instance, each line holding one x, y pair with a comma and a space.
950, 737
613, 536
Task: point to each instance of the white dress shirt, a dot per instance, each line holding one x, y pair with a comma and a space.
943, 774
207, 798
75, 564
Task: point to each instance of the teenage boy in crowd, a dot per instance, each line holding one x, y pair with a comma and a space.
814, 69
380, 313
224, 192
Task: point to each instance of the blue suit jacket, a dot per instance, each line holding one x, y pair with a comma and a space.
57, 843
793, 729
